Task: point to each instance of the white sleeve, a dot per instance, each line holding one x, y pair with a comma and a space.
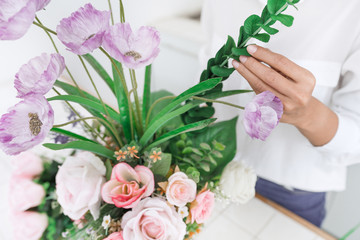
345, 146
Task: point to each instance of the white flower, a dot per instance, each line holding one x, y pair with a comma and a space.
237, 182
183, 211
106, 222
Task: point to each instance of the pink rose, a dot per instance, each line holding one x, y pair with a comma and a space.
24, 194
180, 189
202, 207
153, 218
27, 164
115, 236
29, 225
128, 186
78, 185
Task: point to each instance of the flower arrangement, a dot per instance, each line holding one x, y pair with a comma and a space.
149, 169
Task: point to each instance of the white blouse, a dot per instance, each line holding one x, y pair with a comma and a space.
325, 39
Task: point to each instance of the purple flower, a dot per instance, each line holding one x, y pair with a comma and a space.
16, 17
83, 31
39, 74
134, 50
26, 124
262, 115
40, 4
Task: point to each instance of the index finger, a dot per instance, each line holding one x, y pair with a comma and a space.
278, 62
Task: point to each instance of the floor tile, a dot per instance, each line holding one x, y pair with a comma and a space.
252, 216
282, 227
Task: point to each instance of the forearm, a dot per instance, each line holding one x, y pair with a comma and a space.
319, 124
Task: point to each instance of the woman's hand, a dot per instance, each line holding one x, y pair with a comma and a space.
294, 86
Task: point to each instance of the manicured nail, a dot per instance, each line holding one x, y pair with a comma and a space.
235, 64
243, 59
251, 49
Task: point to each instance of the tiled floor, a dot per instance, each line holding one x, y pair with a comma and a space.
253, 221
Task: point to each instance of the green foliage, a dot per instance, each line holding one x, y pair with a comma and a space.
287, 20
71, 134
108, 169
162, 167
251, 24
147, 93
264, 37
274, 6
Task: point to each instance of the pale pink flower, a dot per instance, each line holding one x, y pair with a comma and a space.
29, 225
128, 185
27, 165
262, 115
134, 50
39, 74
40, 4
202, 207
153, 218
180, 189
83, 31
78, 185
24, 194
115, 236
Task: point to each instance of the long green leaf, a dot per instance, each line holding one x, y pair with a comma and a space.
147, 93
83, 145
195, 90
71, 134
100, 70
122, 100
184, 129
89, 104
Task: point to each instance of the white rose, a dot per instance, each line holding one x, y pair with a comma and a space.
237, 182
78, 185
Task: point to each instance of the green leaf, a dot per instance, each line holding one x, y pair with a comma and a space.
229, 45
83, 145
147, 92
89, 104
108, 169
219, 57
197, 152
251, 24
287, 20
71, 134
222, 71
240, 52
265, 16
275, 5
218, 146
122, 101
205, 112
100, 70
188, 161
217, 154
242, 36
187, 150
204, 166
187, 128
205, 146
270, 30
264, 37
162, 167
193, 174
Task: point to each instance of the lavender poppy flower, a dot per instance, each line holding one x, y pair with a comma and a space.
134, 50
40, 4
39, 74
83, 31
16, 17
262, 115
25, 125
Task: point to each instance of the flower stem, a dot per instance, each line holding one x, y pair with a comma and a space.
123, 83
153, 106
217, 101
111, 12
45, 28
122, 12
101, 100
137, 102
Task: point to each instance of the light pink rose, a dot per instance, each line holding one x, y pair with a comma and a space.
202, 207
180, 189
24, 194
128, 186
115, 236
29, 225
27, 164
78, 185
153, 218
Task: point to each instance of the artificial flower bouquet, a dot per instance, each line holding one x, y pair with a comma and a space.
149, 169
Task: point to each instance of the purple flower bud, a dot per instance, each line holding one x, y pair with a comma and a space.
39, 74
134, 50
262, 115
83, 31
16, 17
26, 124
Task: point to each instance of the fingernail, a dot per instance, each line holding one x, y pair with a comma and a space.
235, 64
251, 49
243, 59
